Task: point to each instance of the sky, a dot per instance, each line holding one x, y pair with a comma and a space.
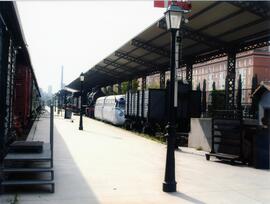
79, 34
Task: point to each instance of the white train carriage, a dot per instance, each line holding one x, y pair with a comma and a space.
111, 109
99, 108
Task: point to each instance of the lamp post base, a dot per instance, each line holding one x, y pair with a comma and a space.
169, 187
81, 122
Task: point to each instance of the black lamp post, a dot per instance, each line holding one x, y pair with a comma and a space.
65, 103
81, 110
54, 101
173, 18
58, 103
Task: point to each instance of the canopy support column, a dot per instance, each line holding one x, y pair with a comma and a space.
143, 82
119, 88
189, 69
129, 85
230, 80
162, 80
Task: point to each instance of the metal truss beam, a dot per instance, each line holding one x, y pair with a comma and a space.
200, 37
255, 44
189, 69
261, 9
104, 71
119, 88
151, 48
99, 83
239, 48
130, 58
117, 66
210, 56
162, 80
195, 35
143, 82
147, 72
252, 39
222, 52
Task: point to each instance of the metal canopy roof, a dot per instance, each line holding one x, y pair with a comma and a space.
214, 28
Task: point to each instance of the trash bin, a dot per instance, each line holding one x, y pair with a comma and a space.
68, 114
262, 150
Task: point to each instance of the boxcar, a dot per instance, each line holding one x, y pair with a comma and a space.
23, 86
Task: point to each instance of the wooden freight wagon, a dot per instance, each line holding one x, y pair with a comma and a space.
154, 104
22, 99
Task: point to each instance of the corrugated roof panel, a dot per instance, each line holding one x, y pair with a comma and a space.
215, 13
187, 42
162, 60
247, 31
139, 52
230, 24
199, 6
122, 61
196, 49
132, 64
127, 47
152, 56
163, 40
151, 33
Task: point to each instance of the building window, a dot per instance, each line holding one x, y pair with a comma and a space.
240, 64
250, 61
244, 63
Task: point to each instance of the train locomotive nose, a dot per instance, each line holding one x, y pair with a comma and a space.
120, 117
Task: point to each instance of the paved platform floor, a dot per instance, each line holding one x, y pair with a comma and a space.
106, 164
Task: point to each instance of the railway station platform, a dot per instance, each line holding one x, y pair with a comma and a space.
107, 164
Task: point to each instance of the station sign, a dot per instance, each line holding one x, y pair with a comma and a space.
185, 5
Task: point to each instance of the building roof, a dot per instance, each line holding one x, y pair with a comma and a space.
214, 28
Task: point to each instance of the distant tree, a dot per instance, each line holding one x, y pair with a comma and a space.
135, 84
109, 90
124, 87
198, 87
254, 83
214, 86
218, 96
214, 95
115, 89
204, 97
239, 94
154, 85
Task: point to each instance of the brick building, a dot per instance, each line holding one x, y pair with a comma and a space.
247, 64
